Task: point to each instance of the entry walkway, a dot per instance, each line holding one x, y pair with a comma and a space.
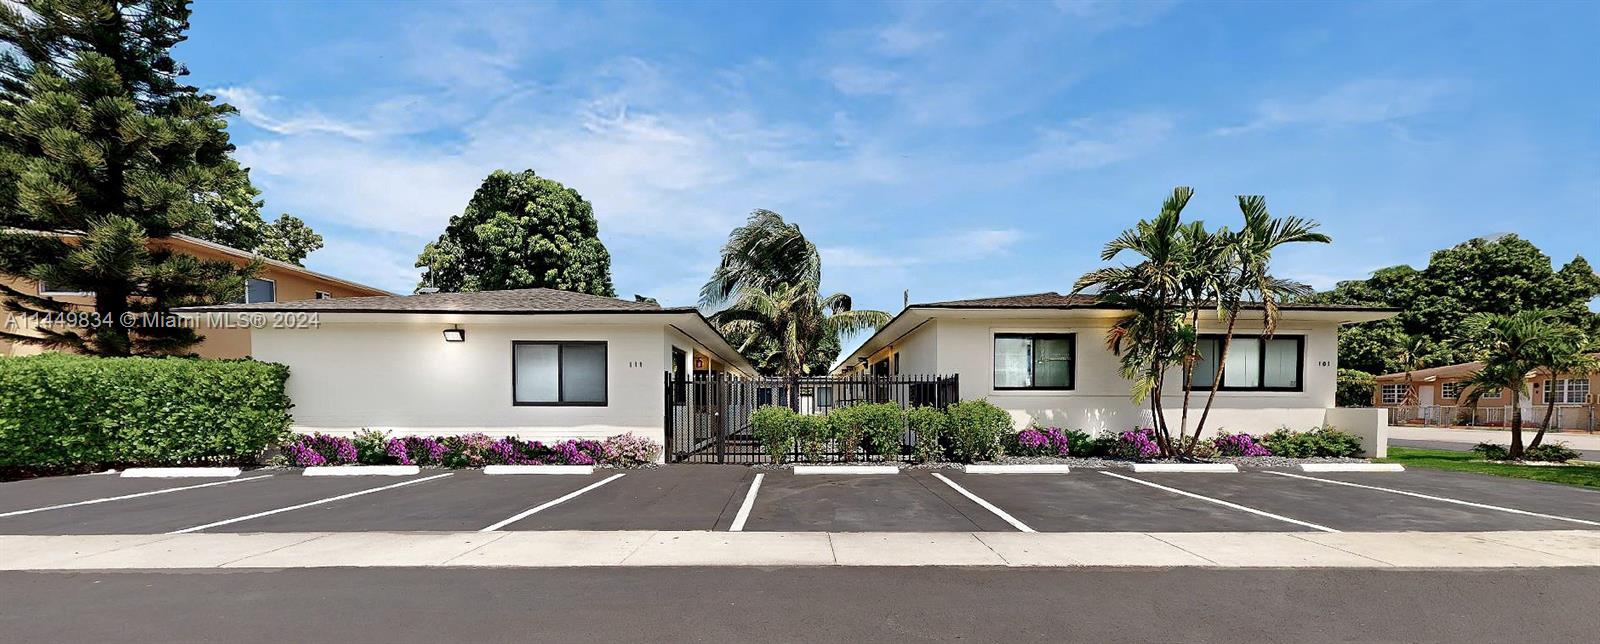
705, 548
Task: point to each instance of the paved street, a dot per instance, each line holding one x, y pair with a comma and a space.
801, 604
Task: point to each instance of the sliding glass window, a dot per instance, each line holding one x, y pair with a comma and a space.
1253, 364
1034, 361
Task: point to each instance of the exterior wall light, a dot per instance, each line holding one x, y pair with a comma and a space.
455, 334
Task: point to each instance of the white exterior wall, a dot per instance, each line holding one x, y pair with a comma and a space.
1100, 399
919, 350
403, 377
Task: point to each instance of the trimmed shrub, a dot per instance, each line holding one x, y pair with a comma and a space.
845, 427
1038, 441
929, 425
1198, 449
1551, 453
1324, 441
882, 427
372, 448
813, 434
975, 430
1491, 451
774, 426
1226, 444
68, 411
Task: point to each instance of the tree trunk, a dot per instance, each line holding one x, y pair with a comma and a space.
1516, 425
1549, 412
1222, 367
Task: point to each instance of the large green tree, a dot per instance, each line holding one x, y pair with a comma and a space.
764, 295
1512, 346
1501, 275
103, 149
520, 230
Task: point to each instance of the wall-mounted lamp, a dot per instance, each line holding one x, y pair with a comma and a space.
455, 334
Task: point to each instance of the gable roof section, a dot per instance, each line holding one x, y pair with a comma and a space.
1054, 300
1461, 370
523, 300
181, 241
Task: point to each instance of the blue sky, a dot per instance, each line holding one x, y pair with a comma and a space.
952, 150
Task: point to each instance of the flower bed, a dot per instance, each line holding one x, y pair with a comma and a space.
466, 450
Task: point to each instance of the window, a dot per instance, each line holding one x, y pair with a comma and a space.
1450, 390
46, 289
259, 290
1566, 392
1033, 361
324, 295
558, 373
1253, 364
1394, 394
896, 364
1491, 395
680, 382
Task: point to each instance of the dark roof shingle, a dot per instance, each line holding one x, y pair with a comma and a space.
525, 300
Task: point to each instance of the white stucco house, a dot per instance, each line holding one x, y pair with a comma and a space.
1043, 358
536, 363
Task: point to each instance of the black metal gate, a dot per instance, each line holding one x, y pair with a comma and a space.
708, 417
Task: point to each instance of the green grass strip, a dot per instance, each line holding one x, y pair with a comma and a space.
1440, 459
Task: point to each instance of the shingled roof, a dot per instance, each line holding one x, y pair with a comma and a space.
1054, 300
523, 300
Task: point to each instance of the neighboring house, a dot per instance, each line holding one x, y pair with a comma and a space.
1438, 396
537, 363
275, 282
1044, 359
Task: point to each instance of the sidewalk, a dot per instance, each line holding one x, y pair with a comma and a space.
650, 548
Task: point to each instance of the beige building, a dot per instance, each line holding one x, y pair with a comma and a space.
1043, 358
1439, 396
276, 282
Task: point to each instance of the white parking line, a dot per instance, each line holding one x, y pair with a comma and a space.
1430, 497
308, 504
131, 496
549, 504
1223, 503
744, 510
986, 505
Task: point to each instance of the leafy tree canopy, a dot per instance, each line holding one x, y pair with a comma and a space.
1501, 275
520, 230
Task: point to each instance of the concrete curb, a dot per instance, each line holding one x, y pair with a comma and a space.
539, 549
1212, 468
846, 469
179, 472
1020, 468
362, 470
496, 470
1352, 467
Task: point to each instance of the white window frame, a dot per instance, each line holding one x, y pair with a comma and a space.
1492, 395
41, 290
1450, 391
1386, 389
320, 295
1568, 391
264, 279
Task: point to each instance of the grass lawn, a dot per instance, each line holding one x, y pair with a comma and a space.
1439, 459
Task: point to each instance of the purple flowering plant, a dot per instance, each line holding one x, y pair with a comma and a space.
1239, 445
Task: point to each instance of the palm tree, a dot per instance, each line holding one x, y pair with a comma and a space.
1511, 347
1565, 357
764, 295
1243, 274
1151, 338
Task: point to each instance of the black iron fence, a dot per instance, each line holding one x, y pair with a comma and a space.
708, 416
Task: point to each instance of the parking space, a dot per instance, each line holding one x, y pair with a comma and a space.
1086, 501
713, 497
689, 497
906, 502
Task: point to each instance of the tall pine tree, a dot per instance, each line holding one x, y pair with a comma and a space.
103, 148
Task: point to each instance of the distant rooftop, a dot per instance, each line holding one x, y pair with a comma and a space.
524, 300
1054, 300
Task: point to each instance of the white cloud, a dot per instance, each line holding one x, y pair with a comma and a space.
366, 263
902, 39
1353, 103
1096, 142
858, 80
953, 247
253, 108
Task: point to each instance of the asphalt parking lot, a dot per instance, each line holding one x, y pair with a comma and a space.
721, 498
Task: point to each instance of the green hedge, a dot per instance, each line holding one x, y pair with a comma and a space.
69, 411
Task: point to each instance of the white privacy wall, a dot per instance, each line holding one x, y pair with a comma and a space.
403, 377
1100, 398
